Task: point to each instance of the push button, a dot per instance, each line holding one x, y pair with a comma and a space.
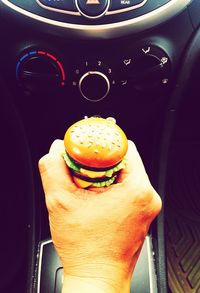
121, 4
92, 8
68, 5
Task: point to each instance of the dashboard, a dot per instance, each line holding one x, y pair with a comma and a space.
65, 60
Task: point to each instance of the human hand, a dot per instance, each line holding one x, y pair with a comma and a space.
98, 233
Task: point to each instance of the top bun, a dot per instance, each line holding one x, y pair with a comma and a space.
96, 142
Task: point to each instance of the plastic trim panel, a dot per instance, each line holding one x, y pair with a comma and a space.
116, 29
122, 10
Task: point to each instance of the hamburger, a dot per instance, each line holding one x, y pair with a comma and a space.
95, 150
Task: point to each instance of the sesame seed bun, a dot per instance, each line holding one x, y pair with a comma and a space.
96, 143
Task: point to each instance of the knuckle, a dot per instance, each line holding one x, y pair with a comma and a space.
57, 147
146, 193
132, 145
48, 162
57, 140
56, 203
157, 203
43, 162
55, 143
149, 201
52, 203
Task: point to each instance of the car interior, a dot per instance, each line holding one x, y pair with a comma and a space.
135, 60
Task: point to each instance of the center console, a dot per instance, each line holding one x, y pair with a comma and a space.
49, 276
64, 60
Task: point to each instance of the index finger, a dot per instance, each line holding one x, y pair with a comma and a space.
54, 172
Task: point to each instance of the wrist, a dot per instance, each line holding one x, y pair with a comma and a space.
74, 284
97, 277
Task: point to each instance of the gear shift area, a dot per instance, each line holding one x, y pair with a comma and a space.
49, 274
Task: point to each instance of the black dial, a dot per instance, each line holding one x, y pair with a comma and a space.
94, 86
149, 69
40, 71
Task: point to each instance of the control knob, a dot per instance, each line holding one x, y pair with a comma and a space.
40, 71
149, 69
94, 86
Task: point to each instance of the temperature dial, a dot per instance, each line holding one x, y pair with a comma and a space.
40, 71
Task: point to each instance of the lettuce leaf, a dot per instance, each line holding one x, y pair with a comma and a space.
70, 164
109, 173
104, 183
120, 166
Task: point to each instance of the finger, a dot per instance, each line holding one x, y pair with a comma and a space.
55, 174
134, 165
57, 147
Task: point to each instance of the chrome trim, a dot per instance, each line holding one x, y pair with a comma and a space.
57, 9
92, 17
106, 31
122, 10
150, 264
107, 12
40, 264
92, 73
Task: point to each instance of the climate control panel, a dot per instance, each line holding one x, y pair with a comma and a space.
144, 69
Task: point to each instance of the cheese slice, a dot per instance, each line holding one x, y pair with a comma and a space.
81, 183
92, 174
